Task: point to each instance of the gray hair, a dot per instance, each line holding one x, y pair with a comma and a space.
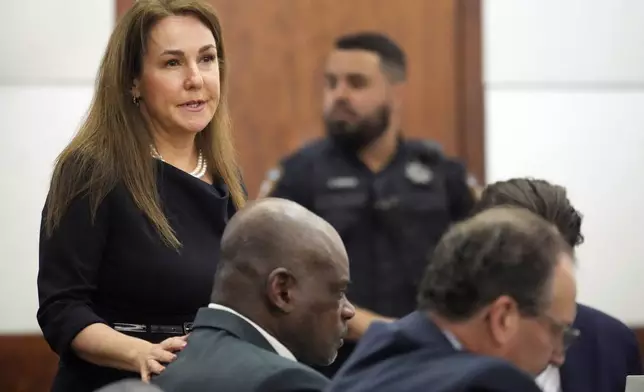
500, 251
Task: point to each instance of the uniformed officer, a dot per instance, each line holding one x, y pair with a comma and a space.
389, 198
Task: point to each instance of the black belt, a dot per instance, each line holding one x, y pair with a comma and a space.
180, 329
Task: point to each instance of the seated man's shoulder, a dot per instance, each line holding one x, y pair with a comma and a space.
592, 318
263, 370
469, 370
455, 372
490, 373
289, 375
235, 365
613, 338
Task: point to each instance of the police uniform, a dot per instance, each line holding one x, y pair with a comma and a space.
389, 221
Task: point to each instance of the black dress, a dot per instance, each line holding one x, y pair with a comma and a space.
118, 272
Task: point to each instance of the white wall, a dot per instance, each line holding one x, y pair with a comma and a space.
565, 102
50, 54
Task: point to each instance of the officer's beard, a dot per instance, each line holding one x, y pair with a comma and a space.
354, 137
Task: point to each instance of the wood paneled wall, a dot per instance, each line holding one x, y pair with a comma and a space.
26, 364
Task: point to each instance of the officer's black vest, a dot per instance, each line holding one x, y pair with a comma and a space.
390, 222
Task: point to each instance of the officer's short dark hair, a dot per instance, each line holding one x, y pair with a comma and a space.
501, 251
540, 197
392, 57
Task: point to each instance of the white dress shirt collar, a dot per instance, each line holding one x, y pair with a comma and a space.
453, 340
549, 380
279, 348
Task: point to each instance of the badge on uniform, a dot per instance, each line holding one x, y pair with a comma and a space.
419, 173
269, 182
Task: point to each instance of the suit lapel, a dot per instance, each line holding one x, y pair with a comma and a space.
223, 320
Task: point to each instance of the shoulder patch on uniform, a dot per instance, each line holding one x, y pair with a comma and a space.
428, 150
432, 145
271, 179
475, 188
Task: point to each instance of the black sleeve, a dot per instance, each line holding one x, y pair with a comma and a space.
69, 261
289, 180
295, 380
461, 196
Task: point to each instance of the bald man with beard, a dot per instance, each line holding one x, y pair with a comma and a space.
278, 303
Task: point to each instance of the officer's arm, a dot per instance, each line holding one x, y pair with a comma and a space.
361, 321
462, 195
287, 181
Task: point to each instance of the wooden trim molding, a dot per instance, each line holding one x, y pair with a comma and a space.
470, 99
27, 364
639, 334
122, 6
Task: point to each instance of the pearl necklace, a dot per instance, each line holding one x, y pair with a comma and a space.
198, 172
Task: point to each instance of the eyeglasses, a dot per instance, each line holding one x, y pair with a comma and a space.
568, 334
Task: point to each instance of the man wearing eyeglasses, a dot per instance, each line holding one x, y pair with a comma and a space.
496, 305
607, 350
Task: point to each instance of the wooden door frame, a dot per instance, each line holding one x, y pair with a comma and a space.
469, 90
122, 6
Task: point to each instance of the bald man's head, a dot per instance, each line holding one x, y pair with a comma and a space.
279, 232
286, 269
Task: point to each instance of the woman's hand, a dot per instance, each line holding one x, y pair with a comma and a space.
150, 360
101, 345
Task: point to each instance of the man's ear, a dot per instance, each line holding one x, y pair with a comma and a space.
280, 288
503, 315
398, 90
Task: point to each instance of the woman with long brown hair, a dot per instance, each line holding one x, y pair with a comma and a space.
139, 199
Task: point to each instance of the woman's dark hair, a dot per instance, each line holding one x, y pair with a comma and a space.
540, 197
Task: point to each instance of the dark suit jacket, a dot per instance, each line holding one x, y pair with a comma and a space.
606, 352
226, 354
412, 354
